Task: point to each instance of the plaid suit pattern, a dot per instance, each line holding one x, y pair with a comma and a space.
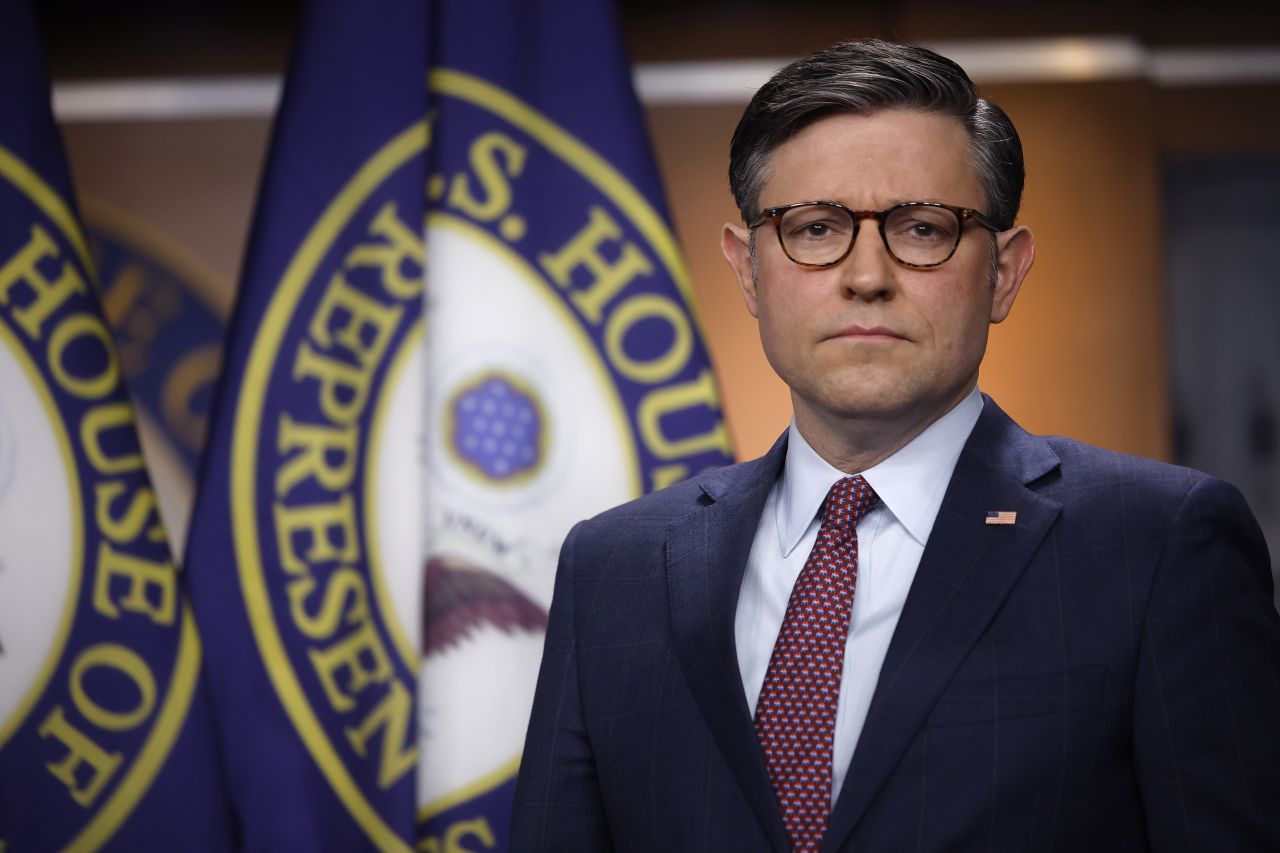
1104, 674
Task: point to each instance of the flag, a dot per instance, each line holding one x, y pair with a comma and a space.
105, 738
463, 324
167, 320
565, 368
314, 674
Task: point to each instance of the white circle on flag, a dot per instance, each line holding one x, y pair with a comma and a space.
526, 435
37, 537
492, 318
393, 516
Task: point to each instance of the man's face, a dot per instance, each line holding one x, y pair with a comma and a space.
869, 338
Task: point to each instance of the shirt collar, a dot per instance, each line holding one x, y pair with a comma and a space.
910, 482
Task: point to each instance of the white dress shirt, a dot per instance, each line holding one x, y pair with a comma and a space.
891, 538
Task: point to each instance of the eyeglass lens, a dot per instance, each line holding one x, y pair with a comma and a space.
914, 234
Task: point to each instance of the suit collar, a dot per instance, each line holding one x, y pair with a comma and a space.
747, 478
1000, 444
967, 570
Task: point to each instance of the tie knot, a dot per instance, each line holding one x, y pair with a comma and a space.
849, 500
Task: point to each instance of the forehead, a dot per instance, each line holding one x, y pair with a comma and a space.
873, 161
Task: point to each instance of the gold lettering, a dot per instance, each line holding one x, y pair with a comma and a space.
124, 661
661, 402
140, 576
131, 317
368, 323
317, 446
344, 587
661, 367
46, 296
81, 753
194, 372
128, 526
362, 646
343, 388
318, 522
391, 716
494, 158
99, 419
477, 828
404, 244
608, 278
69, 330
123, 294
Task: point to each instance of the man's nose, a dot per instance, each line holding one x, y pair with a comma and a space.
867, 272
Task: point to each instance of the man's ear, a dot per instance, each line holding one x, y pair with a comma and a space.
1015, 253
735, 242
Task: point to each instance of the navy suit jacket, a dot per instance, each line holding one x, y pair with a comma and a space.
1104, 674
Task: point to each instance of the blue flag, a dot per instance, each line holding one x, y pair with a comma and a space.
312, 676
166, 316
565, 369
105, 741
463, 325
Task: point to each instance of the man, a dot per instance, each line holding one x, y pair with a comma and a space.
986, 640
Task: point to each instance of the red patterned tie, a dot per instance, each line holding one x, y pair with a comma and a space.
796, 713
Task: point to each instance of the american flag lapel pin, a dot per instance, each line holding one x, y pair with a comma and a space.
1003, 516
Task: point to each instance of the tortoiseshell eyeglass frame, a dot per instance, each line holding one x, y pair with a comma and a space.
962, 214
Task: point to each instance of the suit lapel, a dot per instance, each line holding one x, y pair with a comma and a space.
967, 570
706, 557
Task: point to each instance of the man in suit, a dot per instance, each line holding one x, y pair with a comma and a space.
985, 640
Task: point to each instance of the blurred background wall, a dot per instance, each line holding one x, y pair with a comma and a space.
1152, 135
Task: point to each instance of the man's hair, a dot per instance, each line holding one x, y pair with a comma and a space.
864, 77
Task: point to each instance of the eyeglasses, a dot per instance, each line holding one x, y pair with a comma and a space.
917, 234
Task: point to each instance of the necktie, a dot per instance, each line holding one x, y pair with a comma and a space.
796, 713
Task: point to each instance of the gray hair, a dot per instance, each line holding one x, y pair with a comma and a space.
863, 77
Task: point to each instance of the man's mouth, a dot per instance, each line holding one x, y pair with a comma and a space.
869, 333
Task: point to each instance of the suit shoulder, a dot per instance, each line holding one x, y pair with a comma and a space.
664, 504
1114, 500
674, 501
1109, 472
638, 528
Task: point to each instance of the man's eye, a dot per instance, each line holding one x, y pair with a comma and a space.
924, 231
815, 231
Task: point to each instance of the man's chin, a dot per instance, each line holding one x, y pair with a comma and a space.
889, 402
867, 393
864, 406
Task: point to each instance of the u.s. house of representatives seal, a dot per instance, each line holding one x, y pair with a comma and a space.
402, 476
98, 658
